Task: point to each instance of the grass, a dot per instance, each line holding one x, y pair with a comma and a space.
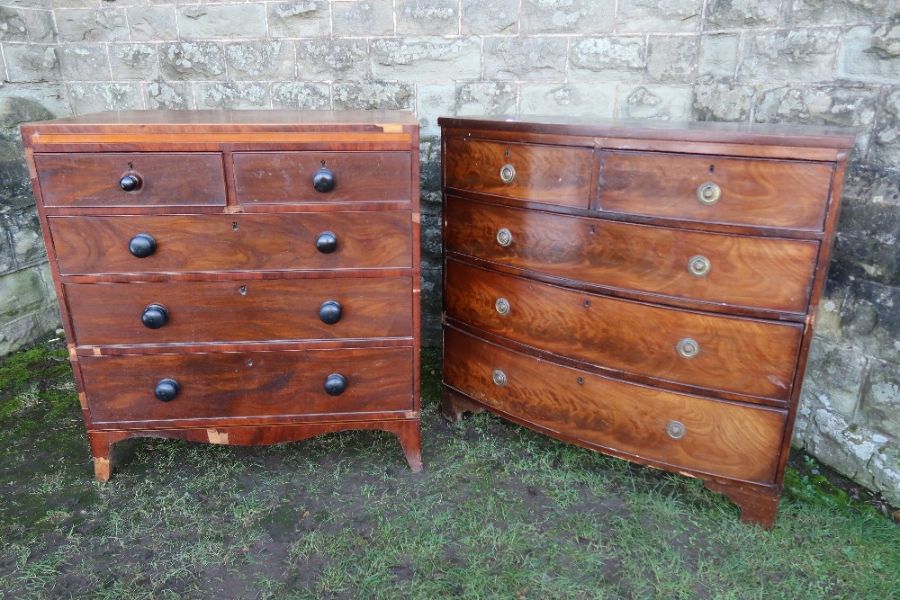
500, 512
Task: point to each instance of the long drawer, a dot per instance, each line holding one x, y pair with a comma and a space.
677, 430
218, 386
718, 269
732, 354
238, 311
240, 242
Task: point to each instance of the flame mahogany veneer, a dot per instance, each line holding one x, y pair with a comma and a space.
646, 290
246, 277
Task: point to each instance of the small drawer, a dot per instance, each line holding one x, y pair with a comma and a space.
288, 177
731, 354
241, 242
219, 386
717, 269
708, 436
546, 174
757, 192
240, 311
131, 179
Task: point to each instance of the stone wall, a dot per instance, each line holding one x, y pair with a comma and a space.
798, 61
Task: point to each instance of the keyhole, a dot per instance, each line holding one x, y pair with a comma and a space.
234, 226
249, 362
323, 164
507, 152
242, 290
712, 168
130, 166
593, 230
587, 303
580, 380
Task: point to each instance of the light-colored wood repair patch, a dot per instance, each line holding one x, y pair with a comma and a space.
392, 128
97, 352
415, 217
82, 399
234, 209
217, 437
102, 469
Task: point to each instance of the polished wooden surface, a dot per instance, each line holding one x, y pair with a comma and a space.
236, 242
774, 193
546, 174
277, 177
170, 179
739, 355
745, 271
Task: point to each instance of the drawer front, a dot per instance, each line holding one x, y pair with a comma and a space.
247, 384
239, 311
548, 174
160, 179
285, 177
284, 241
686, 432
720, 353
744, 271
773, 193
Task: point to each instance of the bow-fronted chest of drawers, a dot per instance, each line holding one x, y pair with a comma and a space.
235, 277
645, 290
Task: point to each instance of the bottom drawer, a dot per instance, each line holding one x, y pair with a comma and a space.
247, 384
661, 427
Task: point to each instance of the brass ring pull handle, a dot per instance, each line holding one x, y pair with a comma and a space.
507, 173
675, 430
708, 193
688, 347
504, 237
502, 306
499, 377
699, 266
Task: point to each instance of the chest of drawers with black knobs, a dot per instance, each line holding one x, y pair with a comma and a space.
235, 277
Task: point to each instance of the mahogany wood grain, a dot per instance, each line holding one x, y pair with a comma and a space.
740, 355
215, 387
277, 177
92, 179
775, 193
285, 241
725, 439
231, 311
547, 174
745, 271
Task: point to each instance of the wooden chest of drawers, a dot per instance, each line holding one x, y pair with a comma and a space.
644, 290
235, 277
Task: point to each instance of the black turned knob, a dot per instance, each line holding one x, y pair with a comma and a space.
142, 245
130, 182
323, 180
330, 312
335, 384
326, 243
155, 316
166, 390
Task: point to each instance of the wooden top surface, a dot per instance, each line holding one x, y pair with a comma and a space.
697, 131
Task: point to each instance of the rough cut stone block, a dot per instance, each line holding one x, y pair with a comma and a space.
427, 17
134, 61
801, 55
24, 229
568, 16
192, 60
718, 56
222, 21
576, 99
231, 95
21, 292
820, 12
722, 102
175, 95
872, 53
663, 102
532, 59
672, 58
885, 151
29, 328
372, 95
260, 60
82, 62
31, 62
333, 59
479, 17
104, 24
479, 98
97, 97
426, 59
608, 58
22, 103
885, 469
23, 25
306, 18
363, 17
301, 95
660, 15
741, 13
835, 376
155, 23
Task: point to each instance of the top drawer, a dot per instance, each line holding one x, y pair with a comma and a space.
287, 177
548, 174
131, 179
758, 192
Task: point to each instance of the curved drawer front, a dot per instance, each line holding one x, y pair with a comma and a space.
242, 242
247, 384
715, 268
685, 432
239, 311
548, 174
730, 354
158, 179
759, 192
